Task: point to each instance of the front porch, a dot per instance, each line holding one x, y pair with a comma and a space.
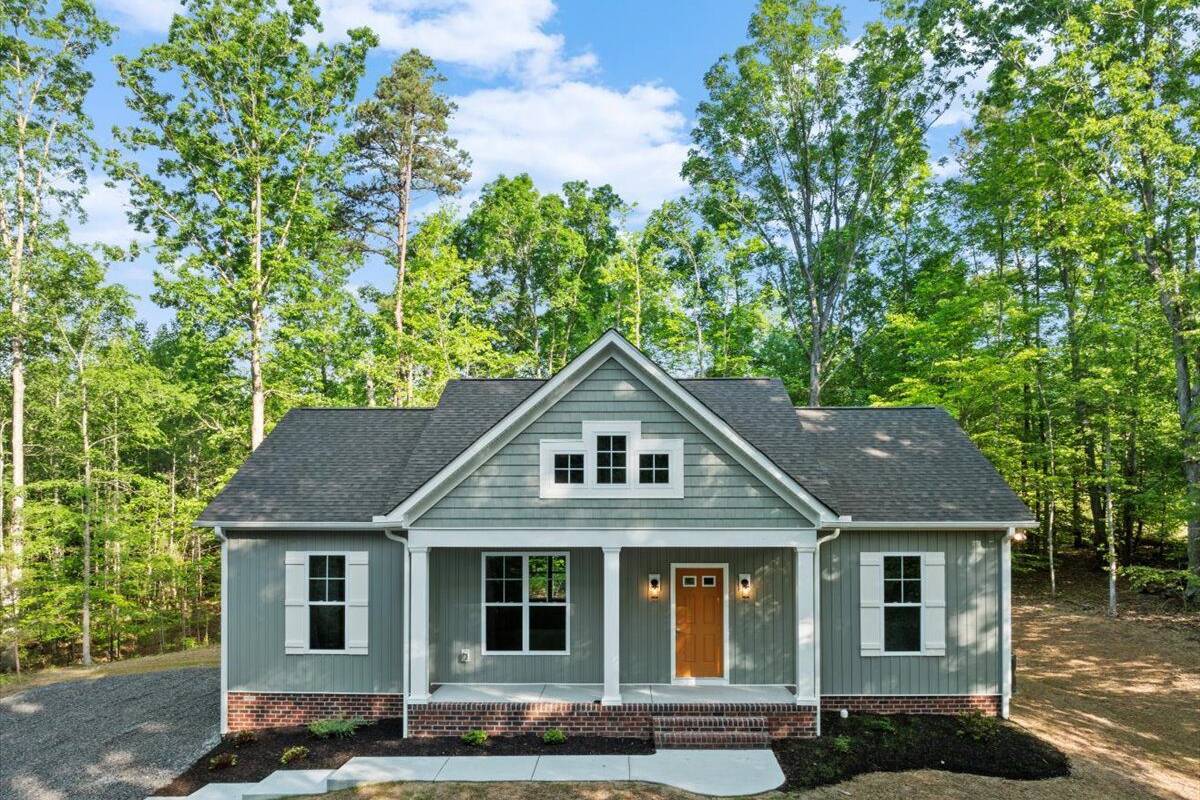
634, 693
620, 642
673, 716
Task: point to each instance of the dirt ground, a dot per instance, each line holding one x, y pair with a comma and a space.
196, 657
1120, 696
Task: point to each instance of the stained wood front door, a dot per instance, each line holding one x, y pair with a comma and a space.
699, 622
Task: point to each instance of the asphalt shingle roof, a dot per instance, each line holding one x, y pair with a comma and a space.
874, 464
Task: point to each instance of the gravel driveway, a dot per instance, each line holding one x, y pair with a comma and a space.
106, 739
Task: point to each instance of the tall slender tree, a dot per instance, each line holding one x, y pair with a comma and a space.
241, 201
45, 149
810, 150
400, 148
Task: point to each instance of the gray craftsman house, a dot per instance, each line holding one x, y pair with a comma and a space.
614, 551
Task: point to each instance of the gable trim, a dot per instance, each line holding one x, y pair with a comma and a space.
610, 345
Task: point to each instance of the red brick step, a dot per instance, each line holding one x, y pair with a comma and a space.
710, 731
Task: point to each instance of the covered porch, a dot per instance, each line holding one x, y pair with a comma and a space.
622, 628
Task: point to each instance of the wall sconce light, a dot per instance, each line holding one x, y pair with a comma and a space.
744, 585
655, 585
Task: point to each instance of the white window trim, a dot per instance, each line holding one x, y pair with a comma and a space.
885, 605
524, 604
636, 446
308, 650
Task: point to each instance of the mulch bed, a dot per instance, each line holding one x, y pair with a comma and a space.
867, 743
259, 758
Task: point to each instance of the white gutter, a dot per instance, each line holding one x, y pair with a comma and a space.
973, 525
407, 632
224, 628
292, 526
817, 619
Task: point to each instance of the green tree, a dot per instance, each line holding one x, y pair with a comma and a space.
241, 202
810, 152
400, 146
45, 148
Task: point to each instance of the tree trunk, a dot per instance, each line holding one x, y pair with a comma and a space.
404, 389
815, 353
16, 524
85, 435
1110, 536
257, 392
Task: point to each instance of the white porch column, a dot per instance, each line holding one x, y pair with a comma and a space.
806, 644
418, 638
612, 627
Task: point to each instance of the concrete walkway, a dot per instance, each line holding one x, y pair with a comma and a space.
721, 773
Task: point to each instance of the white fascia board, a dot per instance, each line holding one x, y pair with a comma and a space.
939, 525
610, 345
803, 539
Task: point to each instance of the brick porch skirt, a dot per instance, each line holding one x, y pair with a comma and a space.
592, 719
913, 704
250, 710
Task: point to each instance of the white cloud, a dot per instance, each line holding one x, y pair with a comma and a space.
630, 139
946, 167
492, 36
105, 207
145, 15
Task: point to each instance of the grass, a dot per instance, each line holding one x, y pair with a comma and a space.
196, 657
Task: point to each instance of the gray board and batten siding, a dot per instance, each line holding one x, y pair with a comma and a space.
719, 491
972, 661
256, 658
762, 629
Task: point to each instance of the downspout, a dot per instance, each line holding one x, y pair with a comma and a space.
224, 628
407, 632
817, 618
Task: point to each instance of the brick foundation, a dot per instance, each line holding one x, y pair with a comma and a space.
251, 710
913, 704
592, 719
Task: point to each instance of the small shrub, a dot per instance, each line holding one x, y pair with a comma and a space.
476, 737
341, 728
877, 724
222, 761
1151, 580
977, 726
239, 738
554, 736
297, 753
842, 744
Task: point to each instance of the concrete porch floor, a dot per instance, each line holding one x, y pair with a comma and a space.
589, 693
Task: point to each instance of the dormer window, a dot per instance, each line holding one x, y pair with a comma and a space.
568, 468
611, 459
654, 468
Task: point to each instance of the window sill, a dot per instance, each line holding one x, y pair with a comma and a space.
307, 652
524, 652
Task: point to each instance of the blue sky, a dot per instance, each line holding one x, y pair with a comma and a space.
603, 90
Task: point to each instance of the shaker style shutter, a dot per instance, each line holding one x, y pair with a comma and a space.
295, 602
870, 603
356, 603
933, 612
